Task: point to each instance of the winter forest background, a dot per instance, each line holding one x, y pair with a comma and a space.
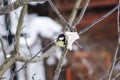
28, 28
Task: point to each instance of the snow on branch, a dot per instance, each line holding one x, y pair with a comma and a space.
15, 5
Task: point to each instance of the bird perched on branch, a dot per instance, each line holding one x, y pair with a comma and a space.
67, 39
61, 40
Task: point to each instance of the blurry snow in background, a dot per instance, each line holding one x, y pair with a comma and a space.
33, 25
35, 3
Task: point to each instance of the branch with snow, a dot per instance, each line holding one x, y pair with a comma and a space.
69, 44
19, 27
71, 37
6, 65
15, 5
12, 59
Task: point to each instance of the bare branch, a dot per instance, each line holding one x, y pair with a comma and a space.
77, 21
15, 5
6, 65
19, 27
116, 76
98, 20
62, 19
27, 46
33, 59
118, 22
2, 45
118, 45
10, 61
72, 17
74, 11
60, 64
113, 63
36, 58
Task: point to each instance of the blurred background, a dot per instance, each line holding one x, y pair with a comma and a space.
90, 62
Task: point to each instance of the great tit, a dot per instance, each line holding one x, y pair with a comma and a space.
61, 40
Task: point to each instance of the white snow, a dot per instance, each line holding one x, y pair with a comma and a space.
33, 25
71, 37
35, 3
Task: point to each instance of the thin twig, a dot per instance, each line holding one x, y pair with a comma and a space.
60, 64
77, 43
27, 46
13, 74
98, 20
77, 21
117, 48
31, 59
18, 32
15, 5
62, 19
116, 76
118, 22
10, 61
113, 63
2, 45
19, 27
70, 21
73, 15
74, 11
6, 65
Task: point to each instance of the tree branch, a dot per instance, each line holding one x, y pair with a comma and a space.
2, 45
19, 27
62, 19
27, 46
36, 58
118, 45
10, 61
116, 76
60, 64
6, 65
98, 20
77, 21
15, 5
72, 17
74, 11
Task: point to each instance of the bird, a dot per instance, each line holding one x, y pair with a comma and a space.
61, 40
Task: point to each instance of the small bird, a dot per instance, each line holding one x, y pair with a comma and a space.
61, 40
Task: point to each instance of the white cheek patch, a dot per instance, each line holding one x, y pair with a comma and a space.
61, 38
71, 37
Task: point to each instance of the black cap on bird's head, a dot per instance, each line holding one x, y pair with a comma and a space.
61, 40
61, 37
